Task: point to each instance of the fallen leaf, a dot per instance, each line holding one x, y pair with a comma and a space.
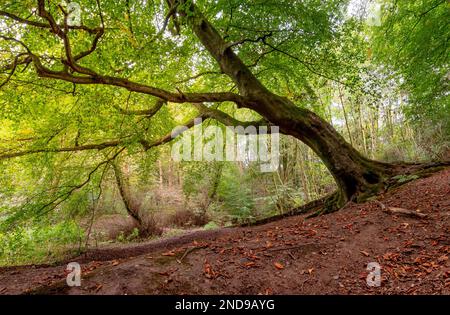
115, 263
209, 272
364, 253
310, 270
269, 291
278, 266
99, 286
171, 253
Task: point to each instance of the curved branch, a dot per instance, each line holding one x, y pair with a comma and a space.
13, 69
98, 35
145, 112
62, 33
171, 136
226, 119
96, 78
64, 196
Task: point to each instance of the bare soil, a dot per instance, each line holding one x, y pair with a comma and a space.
323, 255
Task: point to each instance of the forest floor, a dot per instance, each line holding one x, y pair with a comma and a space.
322, 255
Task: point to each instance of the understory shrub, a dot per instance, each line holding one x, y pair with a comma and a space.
39, 244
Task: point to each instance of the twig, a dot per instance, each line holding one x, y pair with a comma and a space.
290, 247
188, 251
395, 210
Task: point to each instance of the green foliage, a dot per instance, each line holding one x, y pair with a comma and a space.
211, 226
122, 238
413, 43
235, 195
39, 244
405, 178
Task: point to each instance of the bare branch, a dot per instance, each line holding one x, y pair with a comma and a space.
261, 38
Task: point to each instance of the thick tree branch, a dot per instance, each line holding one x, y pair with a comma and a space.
220, 50
96, 78
85, 75
86, 147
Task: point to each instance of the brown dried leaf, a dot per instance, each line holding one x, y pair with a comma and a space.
278, 266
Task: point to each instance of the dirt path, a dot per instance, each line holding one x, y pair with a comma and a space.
324, 255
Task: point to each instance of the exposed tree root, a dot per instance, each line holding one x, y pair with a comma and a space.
411, 172
334, 201
309, 207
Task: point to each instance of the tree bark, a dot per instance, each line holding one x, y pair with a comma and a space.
130, 206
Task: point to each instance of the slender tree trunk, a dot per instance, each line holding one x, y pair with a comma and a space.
160, 174
363, 129
345, 116
216, 181
304, 178
130, 206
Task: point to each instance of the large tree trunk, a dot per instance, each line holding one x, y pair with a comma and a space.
356, 176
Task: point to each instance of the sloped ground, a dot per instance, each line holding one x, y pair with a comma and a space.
324, 255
